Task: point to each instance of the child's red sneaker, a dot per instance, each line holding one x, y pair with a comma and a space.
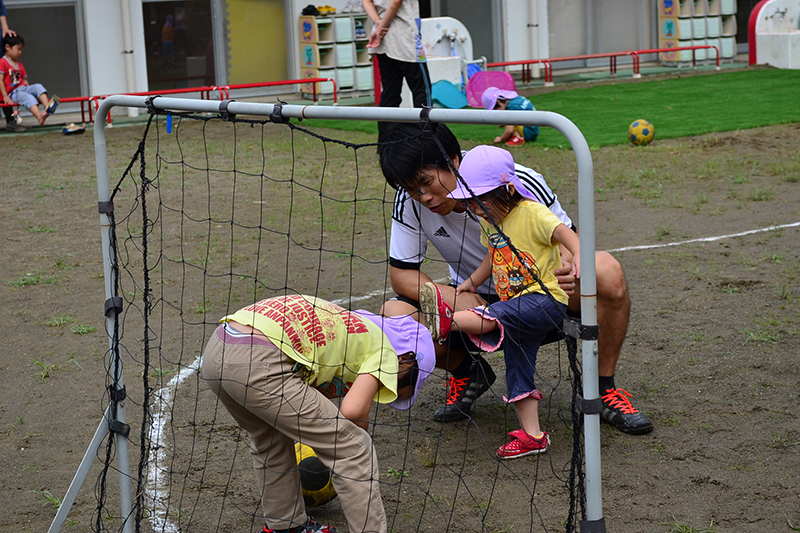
436, 314
516, 140
523, 444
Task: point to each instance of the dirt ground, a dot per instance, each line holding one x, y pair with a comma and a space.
711, 353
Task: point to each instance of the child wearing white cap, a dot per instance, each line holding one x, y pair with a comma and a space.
494, 98
522, 237
276, 365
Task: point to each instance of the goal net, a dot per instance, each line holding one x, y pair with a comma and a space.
213, 212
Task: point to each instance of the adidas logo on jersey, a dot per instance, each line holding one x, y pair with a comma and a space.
441, 232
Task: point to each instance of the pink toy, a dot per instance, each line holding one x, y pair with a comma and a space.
480, 81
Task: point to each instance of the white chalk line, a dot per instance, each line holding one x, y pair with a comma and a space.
157, 486
157, 489
705, 239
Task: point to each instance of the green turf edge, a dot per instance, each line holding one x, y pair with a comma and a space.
677, 107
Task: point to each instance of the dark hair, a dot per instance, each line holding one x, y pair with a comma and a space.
500, 196
13, 40
410, 379
405, 150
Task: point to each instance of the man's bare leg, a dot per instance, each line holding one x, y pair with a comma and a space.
613, 313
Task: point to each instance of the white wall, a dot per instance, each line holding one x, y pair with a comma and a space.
525, 28
105, 60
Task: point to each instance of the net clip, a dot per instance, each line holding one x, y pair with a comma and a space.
277, 113
113, 305
425, 120
591, 407
115, 426
593, 526
117, 395
576, 330
149, 103
226, 115
105, 208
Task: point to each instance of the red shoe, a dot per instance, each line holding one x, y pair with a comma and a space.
436, 314
516, 140
523, 444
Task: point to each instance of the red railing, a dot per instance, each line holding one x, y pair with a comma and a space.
224, 90
612, 56
291, 82
205, 94
82, 99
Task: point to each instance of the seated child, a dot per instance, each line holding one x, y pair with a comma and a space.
15, 88
494, 98
525, 313
277, 365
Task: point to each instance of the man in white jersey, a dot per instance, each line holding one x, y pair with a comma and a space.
423, 213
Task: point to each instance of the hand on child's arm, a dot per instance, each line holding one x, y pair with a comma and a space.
565, 276
477, 278
7, 99
465, 286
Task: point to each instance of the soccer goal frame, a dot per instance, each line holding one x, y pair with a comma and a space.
114, 422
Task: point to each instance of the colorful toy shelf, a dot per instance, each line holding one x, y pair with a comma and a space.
683, 23
336, 47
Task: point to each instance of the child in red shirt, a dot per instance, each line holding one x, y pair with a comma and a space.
15, 88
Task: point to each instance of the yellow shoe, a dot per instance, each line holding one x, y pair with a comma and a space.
331, 10
323, 10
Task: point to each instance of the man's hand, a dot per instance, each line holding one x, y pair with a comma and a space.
565, 277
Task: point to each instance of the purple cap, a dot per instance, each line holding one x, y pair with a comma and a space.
407, 335
490, 96
485, 168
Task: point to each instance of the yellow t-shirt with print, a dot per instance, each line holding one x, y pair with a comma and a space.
333, 344
529, 226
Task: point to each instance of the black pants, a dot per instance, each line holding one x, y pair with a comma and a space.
392, 74
9, 111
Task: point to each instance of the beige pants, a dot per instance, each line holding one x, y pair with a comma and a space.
255, 382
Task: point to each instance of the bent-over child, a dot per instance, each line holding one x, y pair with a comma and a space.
276, 366
494, 98
15, 88
525, 313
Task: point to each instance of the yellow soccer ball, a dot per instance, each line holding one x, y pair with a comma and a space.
641, 132
315, 477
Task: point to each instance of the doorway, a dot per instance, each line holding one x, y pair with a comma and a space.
179, 44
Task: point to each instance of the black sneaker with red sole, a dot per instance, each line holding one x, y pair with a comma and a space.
462, 393
620, 413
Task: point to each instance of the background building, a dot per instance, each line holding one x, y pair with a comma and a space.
93, 47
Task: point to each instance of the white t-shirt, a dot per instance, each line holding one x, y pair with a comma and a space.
457, 236
403, 41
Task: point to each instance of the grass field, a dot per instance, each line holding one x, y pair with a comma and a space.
677, 107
